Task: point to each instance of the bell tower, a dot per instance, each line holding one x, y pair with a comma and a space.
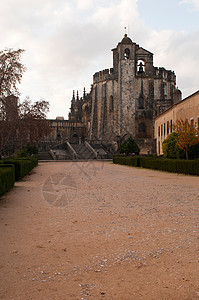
124, 63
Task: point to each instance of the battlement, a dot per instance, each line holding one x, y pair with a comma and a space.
165, 74
107, 74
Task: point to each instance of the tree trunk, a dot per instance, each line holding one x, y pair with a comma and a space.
187, 157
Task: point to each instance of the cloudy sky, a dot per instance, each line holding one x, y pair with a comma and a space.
67, 41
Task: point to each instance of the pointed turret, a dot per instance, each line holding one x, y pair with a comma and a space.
77, 99
73, 98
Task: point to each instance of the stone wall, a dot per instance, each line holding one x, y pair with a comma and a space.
185, 109
125, 99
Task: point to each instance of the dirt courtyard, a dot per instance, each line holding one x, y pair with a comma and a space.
95, 230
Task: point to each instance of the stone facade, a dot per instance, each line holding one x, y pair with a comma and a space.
125, 99
185, 109
63, 130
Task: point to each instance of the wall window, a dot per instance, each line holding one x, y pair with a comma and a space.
126, 53
158, 130
111, 103
198, 122
142, 130
167, 128
164, 129
165, 90
171, 125
192, 122
140, 66
161, 130
142, 127
141, 102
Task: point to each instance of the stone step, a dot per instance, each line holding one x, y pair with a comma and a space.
44, 156
82, 151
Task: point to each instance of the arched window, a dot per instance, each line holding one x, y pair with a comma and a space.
141, 102
142, 127
86, 114
140, 66
126, 53
165, 90
111, 103
142, 130
75, 138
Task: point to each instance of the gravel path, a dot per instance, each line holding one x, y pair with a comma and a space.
94, 230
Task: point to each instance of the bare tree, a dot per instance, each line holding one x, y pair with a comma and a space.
22, 123
11, 71
8, 122
33, 123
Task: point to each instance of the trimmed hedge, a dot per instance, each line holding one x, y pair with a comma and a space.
7, 178
182, 166
22, 166
133, 161
33, 159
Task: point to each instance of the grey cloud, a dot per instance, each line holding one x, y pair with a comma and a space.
66, 42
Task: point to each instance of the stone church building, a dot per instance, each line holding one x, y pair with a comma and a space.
125, 99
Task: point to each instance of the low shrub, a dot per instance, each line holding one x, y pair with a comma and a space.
27, 152
7, 178
129, 146
194, 151
32, 149
22, 153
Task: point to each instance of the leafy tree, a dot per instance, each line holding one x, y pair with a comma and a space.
11, 71
129, 146
170, 147
188, 135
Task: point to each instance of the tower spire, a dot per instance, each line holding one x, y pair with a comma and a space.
77, 96
73, 95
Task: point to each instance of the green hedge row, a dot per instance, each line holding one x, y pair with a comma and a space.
12, 170
190, 167
22, 166
7, 178
133, 161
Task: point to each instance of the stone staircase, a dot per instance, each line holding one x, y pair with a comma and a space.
102, 154
70, 151
82, 152
61, 152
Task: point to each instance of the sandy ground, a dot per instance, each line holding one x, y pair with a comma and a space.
95, 230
